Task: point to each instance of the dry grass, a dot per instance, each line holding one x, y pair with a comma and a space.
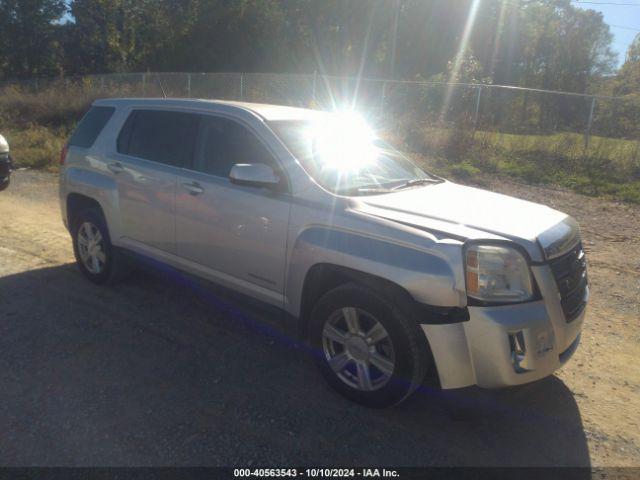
37, 123
609, 167
36, 146
51, 108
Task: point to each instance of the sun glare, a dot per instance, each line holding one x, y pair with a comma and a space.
344, 141
462, 48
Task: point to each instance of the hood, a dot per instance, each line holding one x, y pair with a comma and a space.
4, 146
472, 213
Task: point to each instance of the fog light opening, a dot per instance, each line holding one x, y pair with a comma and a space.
518, 351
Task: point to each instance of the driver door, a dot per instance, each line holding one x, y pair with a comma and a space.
235, 234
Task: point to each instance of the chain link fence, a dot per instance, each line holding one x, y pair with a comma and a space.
488, 107
560, 124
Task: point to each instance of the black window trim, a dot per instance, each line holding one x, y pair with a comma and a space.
131, 114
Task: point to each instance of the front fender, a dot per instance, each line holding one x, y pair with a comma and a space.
428, 277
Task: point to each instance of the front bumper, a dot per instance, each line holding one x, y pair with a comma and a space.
481, 351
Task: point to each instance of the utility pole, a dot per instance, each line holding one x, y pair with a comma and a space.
587, 132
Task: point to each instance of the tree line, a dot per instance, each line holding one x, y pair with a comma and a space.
535, 43
545, 44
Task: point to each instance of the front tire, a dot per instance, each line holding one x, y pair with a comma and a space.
96, 257
367, 348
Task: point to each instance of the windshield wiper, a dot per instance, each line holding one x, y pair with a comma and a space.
414, 182
364, 190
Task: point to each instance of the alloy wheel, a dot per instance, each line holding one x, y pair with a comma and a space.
358, 349
91, 248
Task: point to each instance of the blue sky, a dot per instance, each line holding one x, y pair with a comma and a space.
618, 16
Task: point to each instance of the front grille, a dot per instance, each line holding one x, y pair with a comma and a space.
570, 272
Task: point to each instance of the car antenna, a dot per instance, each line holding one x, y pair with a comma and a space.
161, 87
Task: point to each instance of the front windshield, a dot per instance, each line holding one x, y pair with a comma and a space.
343, 154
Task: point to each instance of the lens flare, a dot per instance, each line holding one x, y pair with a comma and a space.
344, 142
462, 48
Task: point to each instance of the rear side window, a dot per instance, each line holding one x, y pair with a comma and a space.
90, 126
160, 136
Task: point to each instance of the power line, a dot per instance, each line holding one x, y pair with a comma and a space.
625, 28
609, 3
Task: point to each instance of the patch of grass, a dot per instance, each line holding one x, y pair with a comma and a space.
59, 105
50, 108
608, 167
464, 170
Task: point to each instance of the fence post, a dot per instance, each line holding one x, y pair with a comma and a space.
102, 82
587, 131
477, 112
144, 84
313, 90
383, 97
241, 86
188, 85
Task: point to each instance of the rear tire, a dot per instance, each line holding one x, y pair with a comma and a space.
98, 260
366, 347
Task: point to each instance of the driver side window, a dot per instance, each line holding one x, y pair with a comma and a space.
222, 143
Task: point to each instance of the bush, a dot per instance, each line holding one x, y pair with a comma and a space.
36, 146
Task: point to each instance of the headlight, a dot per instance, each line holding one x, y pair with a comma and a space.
497, 274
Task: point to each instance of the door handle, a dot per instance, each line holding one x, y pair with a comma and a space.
193, 188
116, 167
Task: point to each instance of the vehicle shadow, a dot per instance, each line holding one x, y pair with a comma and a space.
160, 370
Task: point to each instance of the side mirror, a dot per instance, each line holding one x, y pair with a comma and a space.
254, 175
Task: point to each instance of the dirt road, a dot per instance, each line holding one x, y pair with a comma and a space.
159, 371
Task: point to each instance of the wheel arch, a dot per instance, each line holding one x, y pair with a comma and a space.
77, 202
81, 188
323, 277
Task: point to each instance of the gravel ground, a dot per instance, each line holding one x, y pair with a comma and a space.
161, 371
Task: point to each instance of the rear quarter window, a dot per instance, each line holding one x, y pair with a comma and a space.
90, 126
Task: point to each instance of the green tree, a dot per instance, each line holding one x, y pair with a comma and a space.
102, 36
628, 79
232, 35
620, 117
29, 40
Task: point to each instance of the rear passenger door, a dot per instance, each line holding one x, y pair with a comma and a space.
238, 233
152, 147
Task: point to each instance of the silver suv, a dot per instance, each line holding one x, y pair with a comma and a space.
386, 270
